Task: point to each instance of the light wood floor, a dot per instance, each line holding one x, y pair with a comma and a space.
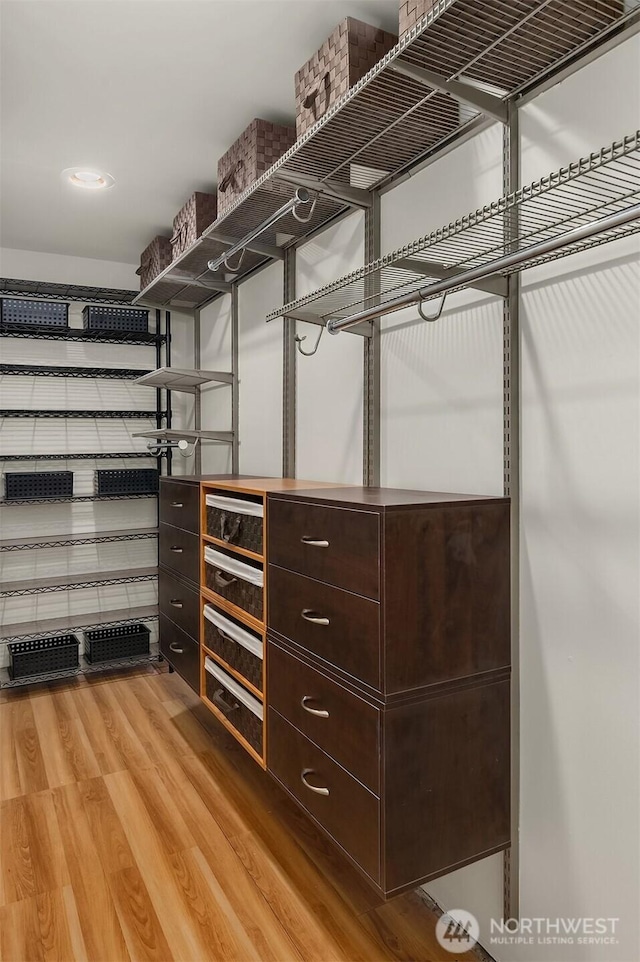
133, 827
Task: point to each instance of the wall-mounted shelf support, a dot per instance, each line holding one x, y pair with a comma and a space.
354, 196
491, 285
191, 280
461, 91
269, 250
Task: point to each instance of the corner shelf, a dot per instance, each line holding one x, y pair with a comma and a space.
551, 212
397, 115
33, 586
38, 370
66, 540
184, 381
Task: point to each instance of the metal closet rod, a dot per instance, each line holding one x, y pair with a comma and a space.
301, 198
496, 266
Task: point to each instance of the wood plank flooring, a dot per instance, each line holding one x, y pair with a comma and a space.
133, 827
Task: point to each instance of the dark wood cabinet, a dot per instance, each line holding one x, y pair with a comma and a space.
388, 673
179, 577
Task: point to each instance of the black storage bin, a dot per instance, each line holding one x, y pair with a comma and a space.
245, 722
34, 485
232, 651
127, 481
103, 317
30, 313
110, 644
232, 586
43, 655
232, 519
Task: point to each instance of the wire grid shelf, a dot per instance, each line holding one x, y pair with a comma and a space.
18, 589
96, 415
64, 292
388, 122
98, 456
604, 183
41, 370
68, 540
73, 498
52, 627
85, 668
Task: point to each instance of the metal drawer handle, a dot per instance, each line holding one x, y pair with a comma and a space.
316, 542
320, 712
176, 603
312, 788
177, 504
174, 647
314, 618
175, 548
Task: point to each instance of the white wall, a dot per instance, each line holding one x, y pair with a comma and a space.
61, 269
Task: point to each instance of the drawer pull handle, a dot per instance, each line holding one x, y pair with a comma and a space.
177, 504
176, 648
315, 542
175, 548
312, 788
176, 603
226, 707
314, 618
320, 712
221, 581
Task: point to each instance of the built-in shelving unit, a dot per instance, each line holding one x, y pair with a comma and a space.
458, 68
590, 202
18, 587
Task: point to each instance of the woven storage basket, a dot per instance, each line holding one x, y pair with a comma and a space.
245, 722
218, 640
347, 55
255, 150
154, 259
233, 587
588, 17
238, 524
198, 213
31, 313
43, 655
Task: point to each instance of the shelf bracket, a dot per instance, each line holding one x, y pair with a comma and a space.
463, 92
353, 196
269, 250
183, 277
492, 285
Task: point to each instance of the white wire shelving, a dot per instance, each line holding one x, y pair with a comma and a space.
183, 380
461, 64
588, 203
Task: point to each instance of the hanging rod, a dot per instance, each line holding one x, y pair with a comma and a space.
301, 198
497, 266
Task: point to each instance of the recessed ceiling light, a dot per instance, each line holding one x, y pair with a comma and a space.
87, 179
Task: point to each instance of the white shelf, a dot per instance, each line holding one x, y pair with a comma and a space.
171, 434
183, 380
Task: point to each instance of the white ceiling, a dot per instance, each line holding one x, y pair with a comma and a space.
151, 91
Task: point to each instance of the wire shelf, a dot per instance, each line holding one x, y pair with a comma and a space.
66, 540
95, 579
605, 183
43, 290
52, 627
75, 498
388, 122
96, 415
182, 380
39, 370
99, 456
79, 334
85, 668
175, 434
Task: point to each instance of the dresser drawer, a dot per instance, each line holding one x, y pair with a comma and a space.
343, 807
240, 581
339, 627
179, 603
180, 551
334, 545
180, 504
339, 722
181, 651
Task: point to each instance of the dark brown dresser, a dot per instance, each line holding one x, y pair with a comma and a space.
179, 577
388, 672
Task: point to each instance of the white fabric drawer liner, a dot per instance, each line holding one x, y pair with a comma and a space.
248, 641
254, 576
235, 504
234, 687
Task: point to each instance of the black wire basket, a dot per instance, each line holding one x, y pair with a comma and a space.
112, 644
129, 320
43, 655
126, 481
31, 313
37, 485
